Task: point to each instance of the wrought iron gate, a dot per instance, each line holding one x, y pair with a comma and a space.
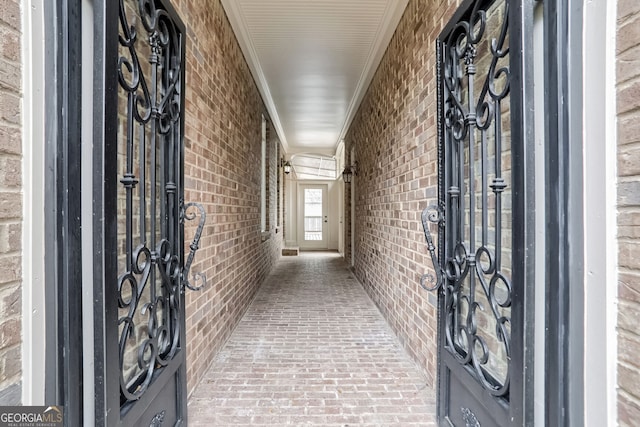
482, 274
145, 317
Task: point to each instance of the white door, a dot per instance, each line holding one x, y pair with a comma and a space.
312, 216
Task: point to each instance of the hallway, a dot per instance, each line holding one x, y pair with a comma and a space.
312, 349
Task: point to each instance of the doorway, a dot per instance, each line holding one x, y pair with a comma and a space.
313, 230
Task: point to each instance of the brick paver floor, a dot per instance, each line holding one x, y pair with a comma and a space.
312, 350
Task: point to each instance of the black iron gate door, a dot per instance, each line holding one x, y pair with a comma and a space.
145, 310
484, 278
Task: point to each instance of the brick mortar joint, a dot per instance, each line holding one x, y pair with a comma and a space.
622, 239
621, 21
11, 254
11, 156
14, 218
627, 179
622, 52
14, 283
11, 125
11, 221
5, 350
12, 190
18, 63
629, 304
632, 398
631, 367
622, 85
632, 145
628, 271
628, 210
7, 88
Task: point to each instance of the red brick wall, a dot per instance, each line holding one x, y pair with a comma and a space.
628, 104
10, 202
222, 158
394, 135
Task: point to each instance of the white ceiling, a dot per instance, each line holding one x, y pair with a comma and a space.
313, 61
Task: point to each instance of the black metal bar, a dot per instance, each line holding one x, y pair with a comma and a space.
470, 123
143, 185
64, 250
564, 271
69, 211
498, 187
485, 212
105, 185
157, 188
443, 185
523, 207
52, 134
182, 389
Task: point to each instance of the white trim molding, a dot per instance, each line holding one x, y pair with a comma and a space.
33, 142
600, 247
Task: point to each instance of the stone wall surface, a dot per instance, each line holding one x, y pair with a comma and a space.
628, 108
10, 202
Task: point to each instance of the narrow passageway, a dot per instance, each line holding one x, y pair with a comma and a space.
312, 349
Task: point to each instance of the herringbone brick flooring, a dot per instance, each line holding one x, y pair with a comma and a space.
312, 350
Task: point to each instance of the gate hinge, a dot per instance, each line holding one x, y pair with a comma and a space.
434, 214
194, 246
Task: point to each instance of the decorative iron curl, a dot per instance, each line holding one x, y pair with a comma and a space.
150, 326
486, 104
465, 112
433, 214
197, 277
139, 103
474, 350
169, 268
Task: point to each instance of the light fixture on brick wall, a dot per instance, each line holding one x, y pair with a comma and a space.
349, 171
286, 166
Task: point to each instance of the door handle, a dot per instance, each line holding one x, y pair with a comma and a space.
194, 246
435, 215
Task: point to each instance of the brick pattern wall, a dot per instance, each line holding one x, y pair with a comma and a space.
222, 171
395, 138
10, 202
628, 105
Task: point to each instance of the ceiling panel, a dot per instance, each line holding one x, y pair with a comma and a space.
313, 61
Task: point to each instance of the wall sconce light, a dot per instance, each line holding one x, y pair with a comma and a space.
349, 171
287, 167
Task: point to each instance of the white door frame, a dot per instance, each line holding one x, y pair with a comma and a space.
320, 244
33, 259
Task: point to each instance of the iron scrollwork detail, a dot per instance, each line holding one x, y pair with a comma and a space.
193, 247
150, 77
434, 214
474, 273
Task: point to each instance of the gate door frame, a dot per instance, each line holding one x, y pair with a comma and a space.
110, 407
514, 408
